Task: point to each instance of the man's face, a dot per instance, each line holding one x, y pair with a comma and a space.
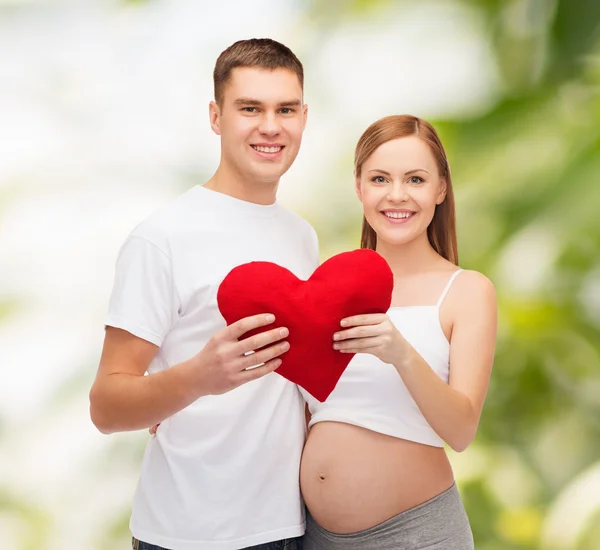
260, 120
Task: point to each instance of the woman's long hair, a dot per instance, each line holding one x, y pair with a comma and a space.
442, 229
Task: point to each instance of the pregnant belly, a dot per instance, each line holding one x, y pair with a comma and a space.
353, 479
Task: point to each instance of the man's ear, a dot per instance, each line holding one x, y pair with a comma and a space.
305, 113
214, 114
357, 187
442, 194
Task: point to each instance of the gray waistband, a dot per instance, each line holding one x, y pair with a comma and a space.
441, 522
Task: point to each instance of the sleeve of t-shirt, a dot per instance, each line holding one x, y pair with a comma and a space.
314, 248
143, 296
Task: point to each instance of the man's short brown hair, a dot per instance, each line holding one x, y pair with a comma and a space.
255, 52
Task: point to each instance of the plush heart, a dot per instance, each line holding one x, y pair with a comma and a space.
347, 284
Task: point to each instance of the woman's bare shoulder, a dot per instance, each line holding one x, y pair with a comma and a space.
472, 285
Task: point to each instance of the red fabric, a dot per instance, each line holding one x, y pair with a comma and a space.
348, 284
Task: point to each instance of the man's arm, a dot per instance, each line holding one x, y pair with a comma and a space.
123, 398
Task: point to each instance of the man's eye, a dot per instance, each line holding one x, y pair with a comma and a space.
249, 109
286, 111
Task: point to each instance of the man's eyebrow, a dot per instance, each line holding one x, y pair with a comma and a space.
290, 103
256, 102
247, 101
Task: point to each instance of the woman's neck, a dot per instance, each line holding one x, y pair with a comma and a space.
410, 258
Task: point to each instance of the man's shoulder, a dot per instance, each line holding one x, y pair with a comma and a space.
296, 221
167, 221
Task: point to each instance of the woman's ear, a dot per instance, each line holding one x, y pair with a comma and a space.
442, 194
357, 187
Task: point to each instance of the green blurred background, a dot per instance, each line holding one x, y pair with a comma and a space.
103, 118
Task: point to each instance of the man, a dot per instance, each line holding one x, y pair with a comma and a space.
222, 471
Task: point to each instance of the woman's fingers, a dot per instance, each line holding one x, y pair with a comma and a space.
366, 319
364, 331
358, 345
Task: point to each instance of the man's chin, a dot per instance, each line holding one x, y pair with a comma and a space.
269, 177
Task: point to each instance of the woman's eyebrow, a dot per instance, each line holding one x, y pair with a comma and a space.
406, 173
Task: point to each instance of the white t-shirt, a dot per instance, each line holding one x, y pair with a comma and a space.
223, 472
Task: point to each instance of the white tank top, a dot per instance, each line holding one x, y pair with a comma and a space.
371, 393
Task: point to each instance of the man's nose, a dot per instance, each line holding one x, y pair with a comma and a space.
269, 124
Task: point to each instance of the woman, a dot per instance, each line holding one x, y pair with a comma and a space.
374, 471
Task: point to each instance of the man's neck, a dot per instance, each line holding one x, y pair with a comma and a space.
238, 187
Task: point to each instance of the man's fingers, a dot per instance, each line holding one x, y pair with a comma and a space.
237, 329
261, 340
264, 355
259, 372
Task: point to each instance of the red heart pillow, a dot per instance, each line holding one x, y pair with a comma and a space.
348, 284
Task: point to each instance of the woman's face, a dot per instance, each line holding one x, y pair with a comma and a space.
399, 188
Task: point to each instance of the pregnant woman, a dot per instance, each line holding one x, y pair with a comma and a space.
374, 473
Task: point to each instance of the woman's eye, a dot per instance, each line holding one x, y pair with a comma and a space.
416, 179
378, 179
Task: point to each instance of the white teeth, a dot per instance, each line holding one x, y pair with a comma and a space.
267, 149
398, 215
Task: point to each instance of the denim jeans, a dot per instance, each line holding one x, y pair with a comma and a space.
287, 544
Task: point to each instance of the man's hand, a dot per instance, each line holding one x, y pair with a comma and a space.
123, 399
226, 362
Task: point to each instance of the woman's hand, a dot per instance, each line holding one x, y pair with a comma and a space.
372, 333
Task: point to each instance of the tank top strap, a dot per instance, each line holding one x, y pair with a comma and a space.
447, 287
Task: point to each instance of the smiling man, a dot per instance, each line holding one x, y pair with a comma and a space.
222, 470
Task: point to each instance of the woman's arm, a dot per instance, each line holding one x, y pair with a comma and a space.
453, 410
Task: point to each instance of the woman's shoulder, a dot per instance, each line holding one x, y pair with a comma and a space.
472, 285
